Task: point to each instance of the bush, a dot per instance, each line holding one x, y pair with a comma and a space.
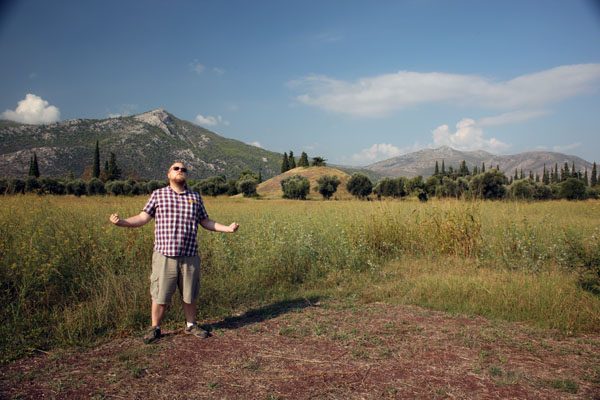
489, 185
391, 187
51, 186
295, 187
3, 186
76, 187
212, 186
115, 187
522, 189
95, 186
32, 185
359, 185
572, 189
327, 185
139, 188
542, 192
16, 185
154, 184
247, 185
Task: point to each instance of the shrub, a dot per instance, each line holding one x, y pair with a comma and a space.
16, 185
572, 189
76, 187
522, 189
247, 185
3, 186
95, 186
489, 185
295, 187
212, 186
327, 185
32, 185
359, 185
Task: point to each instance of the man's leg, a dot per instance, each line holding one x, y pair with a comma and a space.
190, 286
158, 312
190, 311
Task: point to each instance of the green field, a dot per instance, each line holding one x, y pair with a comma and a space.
69, 277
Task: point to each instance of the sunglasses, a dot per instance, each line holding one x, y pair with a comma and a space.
183, 169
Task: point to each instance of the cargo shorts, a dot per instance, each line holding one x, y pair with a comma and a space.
170, 272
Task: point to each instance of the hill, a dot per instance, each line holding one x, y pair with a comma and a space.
272, 187
422, 162
145, 145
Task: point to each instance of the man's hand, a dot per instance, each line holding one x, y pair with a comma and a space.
233, 227
114, 218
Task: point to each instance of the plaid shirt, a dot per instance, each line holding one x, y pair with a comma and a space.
176, 221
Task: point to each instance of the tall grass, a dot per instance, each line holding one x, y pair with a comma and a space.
68, 276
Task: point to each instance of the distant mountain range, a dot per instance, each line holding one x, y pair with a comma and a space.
146, 144
422, 162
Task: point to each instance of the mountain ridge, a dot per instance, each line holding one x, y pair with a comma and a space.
422, 162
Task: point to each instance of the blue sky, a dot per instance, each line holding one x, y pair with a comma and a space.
354, 82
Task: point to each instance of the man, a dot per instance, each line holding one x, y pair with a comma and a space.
175, 261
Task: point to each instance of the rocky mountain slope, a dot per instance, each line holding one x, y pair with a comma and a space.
423, 161
144, 144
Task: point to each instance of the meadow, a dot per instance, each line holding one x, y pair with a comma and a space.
68, 277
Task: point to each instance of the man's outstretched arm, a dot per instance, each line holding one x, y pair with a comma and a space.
211, 225
132, 222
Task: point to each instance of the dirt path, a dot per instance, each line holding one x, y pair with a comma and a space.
325, 350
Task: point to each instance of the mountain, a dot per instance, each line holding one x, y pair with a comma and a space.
145, 146
422, 162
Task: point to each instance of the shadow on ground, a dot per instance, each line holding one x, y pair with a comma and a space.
261, 314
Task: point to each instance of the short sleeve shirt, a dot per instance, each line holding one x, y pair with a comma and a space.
176, 218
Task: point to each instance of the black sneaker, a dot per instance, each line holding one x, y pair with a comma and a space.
196, 331
152, 335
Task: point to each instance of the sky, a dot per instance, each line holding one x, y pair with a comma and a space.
354, 82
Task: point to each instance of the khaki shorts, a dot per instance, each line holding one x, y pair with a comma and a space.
169, 272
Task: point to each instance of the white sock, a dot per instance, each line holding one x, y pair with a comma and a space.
191, 324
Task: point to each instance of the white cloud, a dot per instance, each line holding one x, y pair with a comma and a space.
256, 144
382, 151
209, 120
218, 71
512, 117
380, 95
569, 147
197, 67
114, 115
468, 136
33, 110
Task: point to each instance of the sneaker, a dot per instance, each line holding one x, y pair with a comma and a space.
196, 331
152, 335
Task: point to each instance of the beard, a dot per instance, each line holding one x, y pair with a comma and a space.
180, 179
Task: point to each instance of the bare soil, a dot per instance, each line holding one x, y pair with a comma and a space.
328, 349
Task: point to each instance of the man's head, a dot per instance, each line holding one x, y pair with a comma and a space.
177, 173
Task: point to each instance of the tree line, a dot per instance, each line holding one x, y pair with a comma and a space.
461, 183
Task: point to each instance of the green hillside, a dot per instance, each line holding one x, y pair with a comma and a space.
145, 145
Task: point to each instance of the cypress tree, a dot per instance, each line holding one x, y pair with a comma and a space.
443, 169
537, 177
530, 175
96, 168
594, 178
482, 167
516, 175
33, 167
475, 170
522, 174
30, 173
545, 178
303, 161
114, 172
574, 174
285, 166
291, 161
585, 178
436, 171
555, 175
